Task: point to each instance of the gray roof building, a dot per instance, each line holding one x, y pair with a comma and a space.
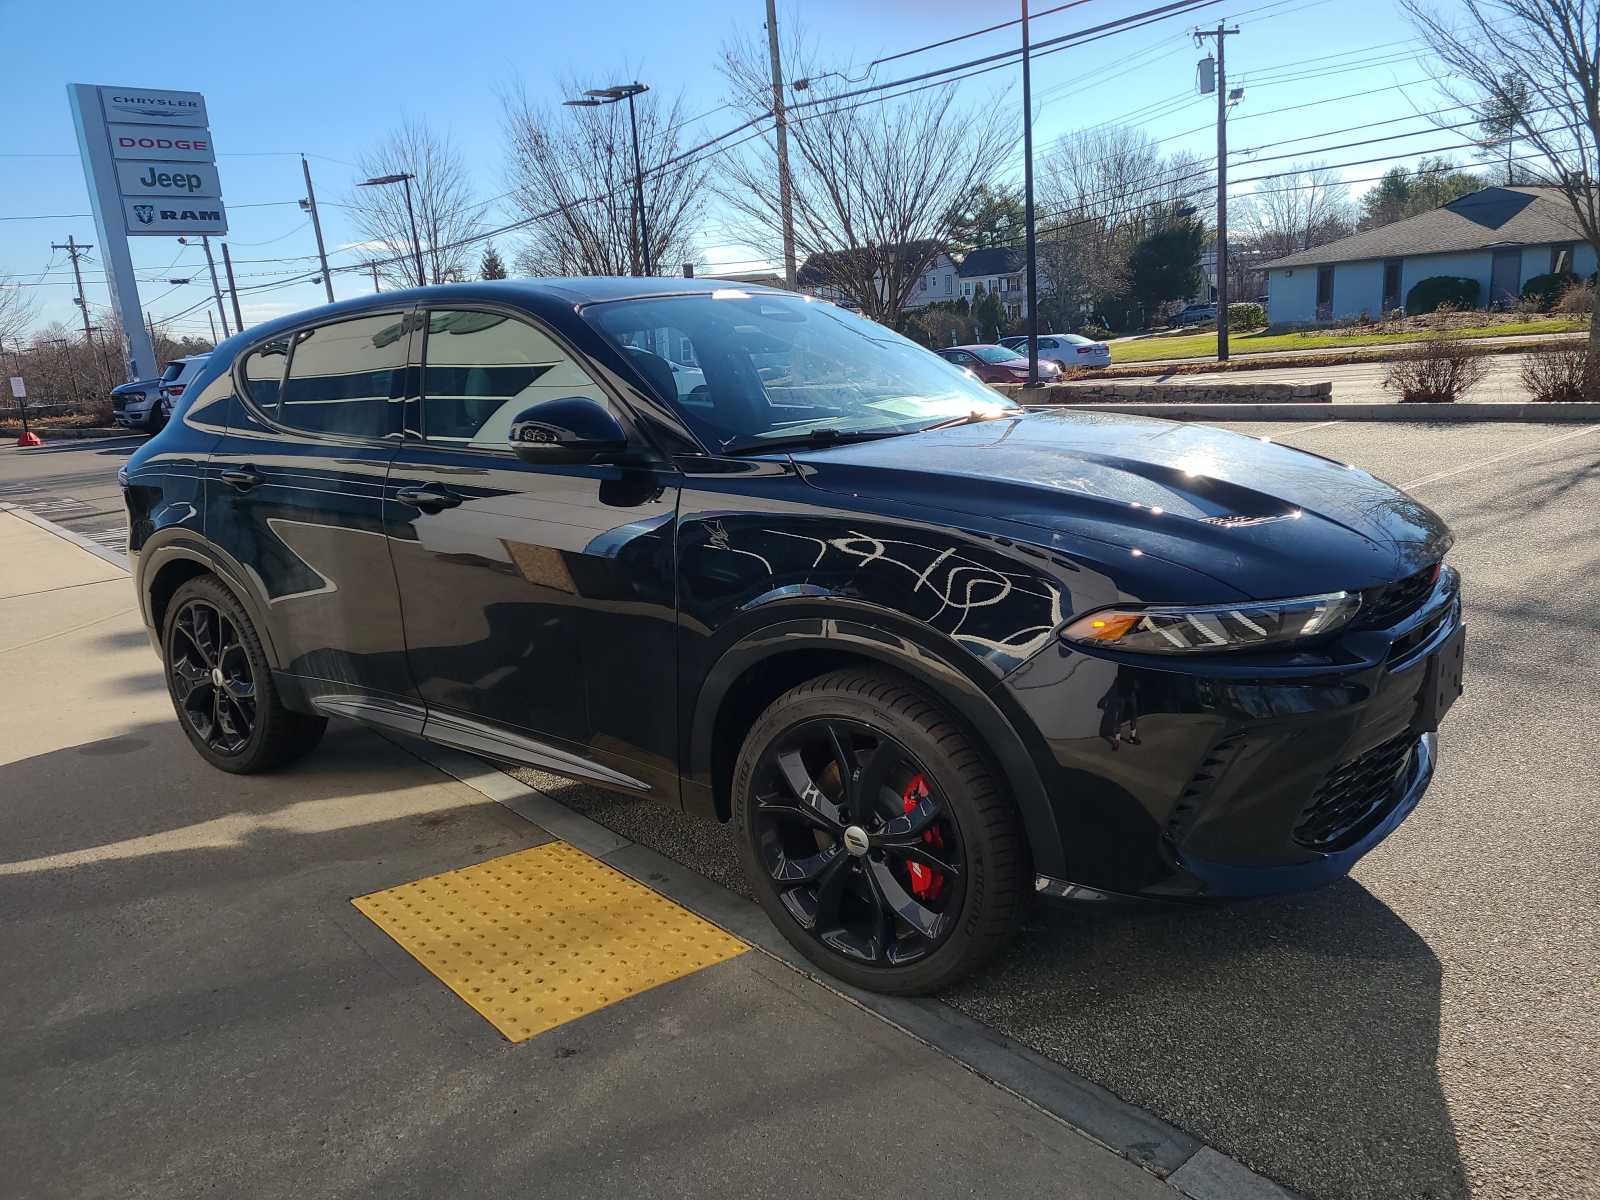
1489, 219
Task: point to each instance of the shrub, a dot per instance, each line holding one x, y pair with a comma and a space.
1246, 316
1436, 290
1560, 371
1545, 290
1436, 370
1577, 299
1096, 333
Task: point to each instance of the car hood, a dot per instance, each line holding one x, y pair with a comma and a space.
1262, 518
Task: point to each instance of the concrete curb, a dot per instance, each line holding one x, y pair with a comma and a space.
1190, 1167
76, 434
1531, 414
61, 531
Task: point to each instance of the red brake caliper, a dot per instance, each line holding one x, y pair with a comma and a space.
926, 883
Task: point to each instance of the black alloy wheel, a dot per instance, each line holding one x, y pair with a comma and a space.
875, 834
859, 841
213, 683
222, 687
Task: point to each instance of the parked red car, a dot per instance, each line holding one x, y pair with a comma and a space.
996, 364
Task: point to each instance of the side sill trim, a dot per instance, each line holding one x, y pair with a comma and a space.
370, 710
492, 742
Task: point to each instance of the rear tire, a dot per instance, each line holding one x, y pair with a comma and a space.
875, 834
221, 684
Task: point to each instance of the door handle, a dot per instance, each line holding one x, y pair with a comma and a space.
240, 478
429, 499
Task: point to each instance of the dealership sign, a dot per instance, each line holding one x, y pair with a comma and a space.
150, 164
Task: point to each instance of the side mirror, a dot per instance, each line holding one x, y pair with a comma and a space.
573, 429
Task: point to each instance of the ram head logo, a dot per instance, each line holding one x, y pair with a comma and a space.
145, 212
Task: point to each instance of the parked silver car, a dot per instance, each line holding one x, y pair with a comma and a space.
1066, 350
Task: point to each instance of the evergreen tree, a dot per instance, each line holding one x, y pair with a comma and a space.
492, 266
1165, 264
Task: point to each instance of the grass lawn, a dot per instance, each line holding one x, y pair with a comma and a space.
1200, 344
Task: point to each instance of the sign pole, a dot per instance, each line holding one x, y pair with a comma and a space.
94, 144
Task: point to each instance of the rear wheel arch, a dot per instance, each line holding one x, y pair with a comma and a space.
164, 568
756, 671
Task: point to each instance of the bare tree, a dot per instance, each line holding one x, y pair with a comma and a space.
1306, 207
1102, 191
572, 169
441, 197
16, 314
1533, 66
877, 183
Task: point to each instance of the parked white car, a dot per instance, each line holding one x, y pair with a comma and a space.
1067, 350
176, 378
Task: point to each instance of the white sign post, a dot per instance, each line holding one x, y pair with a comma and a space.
19, 390
149, 162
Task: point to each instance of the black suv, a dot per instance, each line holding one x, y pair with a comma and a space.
762, 559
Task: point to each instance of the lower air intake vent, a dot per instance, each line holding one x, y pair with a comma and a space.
1355, 796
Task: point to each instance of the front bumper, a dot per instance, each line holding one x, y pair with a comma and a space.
1214, 780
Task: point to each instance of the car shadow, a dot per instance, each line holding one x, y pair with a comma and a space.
1299, 1034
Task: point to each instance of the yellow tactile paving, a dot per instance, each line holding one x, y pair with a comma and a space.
543, 936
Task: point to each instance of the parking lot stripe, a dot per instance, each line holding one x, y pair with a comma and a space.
538, 938
1484, 462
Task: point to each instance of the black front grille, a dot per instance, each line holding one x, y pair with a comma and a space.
1355, 796
1389, 603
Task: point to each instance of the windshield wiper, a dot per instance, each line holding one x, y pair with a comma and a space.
972, 418
815, 439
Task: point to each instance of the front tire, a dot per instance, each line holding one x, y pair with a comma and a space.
876, 836
221, 684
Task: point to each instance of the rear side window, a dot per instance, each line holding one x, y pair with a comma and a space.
480, 369
347, 377
263, 374
174, 369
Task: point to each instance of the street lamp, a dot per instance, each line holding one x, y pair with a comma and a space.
594, 98
416, 242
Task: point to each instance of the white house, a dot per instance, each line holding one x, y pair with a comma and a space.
936, 283
999, 270
1500, 236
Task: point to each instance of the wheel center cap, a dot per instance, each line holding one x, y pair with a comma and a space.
855, 840
216, 676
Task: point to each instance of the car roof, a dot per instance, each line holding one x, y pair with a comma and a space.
577, 291
978, 346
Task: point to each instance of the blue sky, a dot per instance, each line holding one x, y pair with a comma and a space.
331, 77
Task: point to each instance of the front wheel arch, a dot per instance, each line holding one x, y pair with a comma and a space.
793, 651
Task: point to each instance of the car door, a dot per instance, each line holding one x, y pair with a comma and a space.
538, 599
294, 504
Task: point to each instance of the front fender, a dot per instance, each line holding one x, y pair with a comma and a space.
798, 625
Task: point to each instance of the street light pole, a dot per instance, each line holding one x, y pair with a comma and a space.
595, 97
1027, 206
411, 216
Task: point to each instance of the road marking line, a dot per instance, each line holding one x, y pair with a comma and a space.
1438, 475
535, 939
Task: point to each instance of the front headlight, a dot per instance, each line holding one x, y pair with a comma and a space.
1213, 628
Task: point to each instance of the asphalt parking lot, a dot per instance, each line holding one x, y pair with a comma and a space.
1427, 1028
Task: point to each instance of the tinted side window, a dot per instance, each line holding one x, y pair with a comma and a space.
481, 369
347, 377
263, 374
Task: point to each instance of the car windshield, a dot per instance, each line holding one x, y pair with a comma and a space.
996, 354
783, 367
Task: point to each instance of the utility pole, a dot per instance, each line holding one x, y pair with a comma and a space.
213, 325
233, 288
785, 195
376, 286
1222, 33
150, 325
74, 250
1027, 206
216, 288
310, 205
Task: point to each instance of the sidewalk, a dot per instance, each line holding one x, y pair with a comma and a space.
193, 1005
